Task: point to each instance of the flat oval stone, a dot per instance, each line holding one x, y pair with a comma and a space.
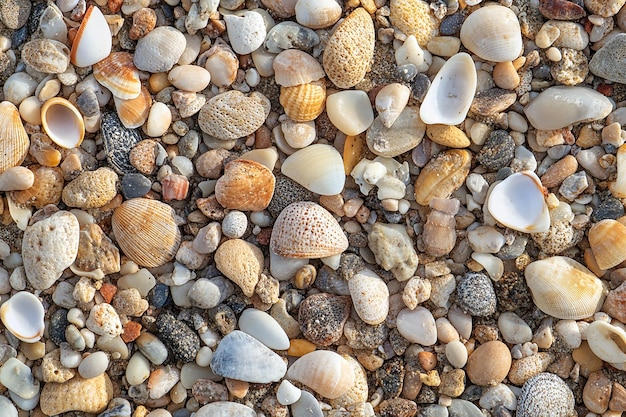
609, 61
225, 409
93, 365
306, 406
264, 328
463, 408
417, 326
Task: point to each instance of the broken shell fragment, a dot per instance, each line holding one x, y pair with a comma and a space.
318, 168
93, 39
23, 315
607, 239
294, 67
134, 112
14, 141
324, 371
607, 342
62, 122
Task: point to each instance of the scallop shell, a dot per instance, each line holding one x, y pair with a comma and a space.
246, 185
607, 239
23, 315
325, 372
563, 288
306, 230
146, 231
134, 112
451, 93
294, 67
118, 73
62, 122
47, 188
518, 202
317, 14
607, 342
318, 168
304, 102
14, 141
493, 33
92, 42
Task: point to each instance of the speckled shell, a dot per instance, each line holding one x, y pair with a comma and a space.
118, 142
47, 188
62, 122
13, 137
86, 395
118, 73
563, 288
294, 67
232, 115
304, 102
324, 371
134, 112
246, 185
370, 296
146, 231
493, 33
23, 315
350, 49
607, 239
306, 230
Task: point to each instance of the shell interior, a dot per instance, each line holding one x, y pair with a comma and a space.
23, 315
318, 168
93, 40
63, 123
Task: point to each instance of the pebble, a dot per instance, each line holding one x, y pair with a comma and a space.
93, 365
498, 150
46, 55
417, 326
14, 13
138, 369
416, 291
306, 405
246, 32
225, 409
456, 353
529, 366
545, 394
397, 407
290, 35
16, 178
513, 328
234, 224
264, 328
208, 293
118, 143
494, 353
475, 294
78, 394
91, 189
321, 317
597, 392
162, 380
177, 336
104, 320
206, 391
414, 18
463, 408
134, 185
393, 250
241, 262
607, 61
287, 393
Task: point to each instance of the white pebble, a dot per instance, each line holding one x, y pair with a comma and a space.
246, 32
252, 77
76, 317
498, 394
461, 321
209, 337
69, 357
264, 328
569, 332
517, 122
514, 329
204, 356
234, 224
417, 326
19, 86
5, 285
138, 369
159, 119
93, 365
456, 352
261, 218
287, 393
184, 165
485, 239
553, 54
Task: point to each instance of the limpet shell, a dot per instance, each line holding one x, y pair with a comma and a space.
62, 122
324, 371
607, 239
246, 185
563, 288
304, 102
232, 115
146, 231
118, 73
23, 315
93, 39
607, 342
294, 67
14, 141
318, 168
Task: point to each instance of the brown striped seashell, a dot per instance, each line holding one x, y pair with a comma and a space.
304, 102
146, 231
47, 188
13, 137
118, 73
306, 230
607, 239
246, 185
134, 112
294, 67
324, 371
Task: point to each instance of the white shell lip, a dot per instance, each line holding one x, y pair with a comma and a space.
93, 40
450, 95
606, 342
62, 122
23, 315
518, 203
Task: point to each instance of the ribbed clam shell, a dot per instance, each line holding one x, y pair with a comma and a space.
14, 141
493, 33
563, 288
93, 39
23, 315
607, 239
307, 230
317, 14
118, 141
134, 112
325, 372
118, 73
318, 168
62, 122
245, 185
304, 102
294, 67
47, 188
607, 342
146, 231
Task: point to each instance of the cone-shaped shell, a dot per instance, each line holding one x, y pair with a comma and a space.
62, 122
118, 73
294, 67
304, 102
13, 137
23, 315
146, 231
493, 33
306, 230
246, 185
325, 372
607, 239
93, 39
134, 112
563, 288
318, 168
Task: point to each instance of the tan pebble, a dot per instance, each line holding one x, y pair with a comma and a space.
505, 75
144, 20
445, 46
588, 137
489, 364
554, 176
615, 303
158, 82
78, 394
91, 189
604, 8
246, 185
223, 66
241, 262
129, 302
232, 115
618, 398
140, 411
597, 392
370, 361
237, 388
334, 203
305, 277
189, 78
442, 175
96, 251
414, 17
43, 151
588, 361
431, 378
33, 351
53, 370
210, 163
47, 188
427, 360
416, 291
16, 179
562, 366
449, 136
452, 383
523, 369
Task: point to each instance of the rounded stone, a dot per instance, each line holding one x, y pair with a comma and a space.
489, 364
475, 294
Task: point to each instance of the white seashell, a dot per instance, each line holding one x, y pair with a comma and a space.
350, 111
287, 393
318, 168
159, 50
618, 188
294, 67
23, 315
607, 342
451, 93
563, 288
518, 202
317, 14
93, 39
264, 156
325, 372
390, 101
62, 122
246, 32
370, 296
298, 134
264, 328
493, 33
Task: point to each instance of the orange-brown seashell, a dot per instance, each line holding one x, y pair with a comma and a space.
14, 141
304, 102
246, 185
134, 112
118, 73
607, 239
561, 10
47, 188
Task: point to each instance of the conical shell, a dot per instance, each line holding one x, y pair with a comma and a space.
325, 372
294, 67
14, 141
563, 288
134, 112
23, 315
93, 39
607, 239
304, 102
607, 342
245, 185
62, 122
306, 230
493, 33
47, 188
318, 168
118, 73
146, 231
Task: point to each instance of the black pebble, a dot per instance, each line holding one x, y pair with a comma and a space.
135, 185
178, 337
58, 324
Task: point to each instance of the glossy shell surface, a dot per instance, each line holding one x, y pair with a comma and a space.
318, 168
326, 372
607, 239
23, 315
93, 40
304, 102
246, 185
118, 73
294, 67
62, 122
14, 140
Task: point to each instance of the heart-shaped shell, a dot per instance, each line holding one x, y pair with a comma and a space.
563, 288
607, 342
118, 73
493, 33
134, 112
318, 168
304, 102
607, 239
294, 67
306, 230
13, 137
146, 231
246, 185
62, 122
23, 315
324, 371
93, 39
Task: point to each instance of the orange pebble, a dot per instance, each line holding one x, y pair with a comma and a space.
108, 291
132, 330
428, 360
300, 347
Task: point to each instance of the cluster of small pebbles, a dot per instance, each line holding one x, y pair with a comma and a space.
312, 208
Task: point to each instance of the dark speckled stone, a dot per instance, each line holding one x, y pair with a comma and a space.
321, 317
58, 323
158, 296
607, 208
451, 25
178, 337
135, 185
498, 150
118, 141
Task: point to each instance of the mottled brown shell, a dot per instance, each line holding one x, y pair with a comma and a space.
14, 141
47, 188
304, 102
443, 175
246, 185
146, 231
232, 115
78, 394
118, 73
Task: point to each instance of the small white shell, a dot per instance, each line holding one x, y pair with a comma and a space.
493, 33
317, 14
390, 101
23, 315
607, 342
294, 67
93, 39
450, 95
518, 202
62, 122
318, 168
324, 371
350, 111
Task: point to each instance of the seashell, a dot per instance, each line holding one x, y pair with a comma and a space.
47, 188
23, 315
442, 176
318, 168
607, 342
370, 296
390, 101
134, 112
451, 93
350, 49
563, 288
241, 262
232, 115
118, 142
350, 111
317, 14
92, 42
118, 73
159, 50
405, 134
306, 230
246, 185
294, 67
518, 202
62, 122
146, 231
14, 141
324, 371
493, 33
304, 102
607, 239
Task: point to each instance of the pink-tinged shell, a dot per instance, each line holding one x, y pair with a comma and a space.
134, 112
174, 187
294, 67
607, 239
14, 141
118, 73
306, 230
324, 371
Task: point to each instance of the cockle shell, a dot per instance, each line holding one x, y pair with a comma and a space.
307, 230
134, 112
93, 39
23, 315
324, 371
14, 141
62, 122
518, 202
304, 102
294, 67
451, 93
146, 231
118, 73
607, 342
607, 239
317, 14
318, 168
563, 288
246, 185
493, 33
159, 50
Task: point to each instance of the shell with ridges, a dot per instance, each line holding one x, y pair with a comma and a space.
246, 185
607, 239
306, 230
317, 14
146, 231
14, 141
318, 168
324, 371
607, 342
294, 67
304, 102
118, 73
134, 112
442, 176
23, 315
93, 39
62, 122
563, 288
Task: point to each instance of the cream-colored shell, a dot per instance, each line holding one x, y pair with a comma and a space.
294, 67
563, 288
14, 141
370, 296
62, 122
23, 315
317, 14
134, 112
493, 33
607, 239
324, 371
304, 102
607, 342
118, 73
318, 168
